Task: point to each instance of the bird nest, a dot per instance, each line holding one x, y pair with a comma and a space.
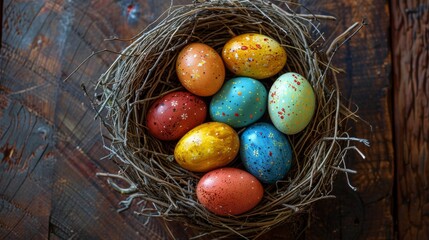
145, 71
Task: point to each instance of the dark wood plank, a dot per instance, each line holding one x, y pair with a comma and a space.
365, 213
410, 24
44, 41
26, 165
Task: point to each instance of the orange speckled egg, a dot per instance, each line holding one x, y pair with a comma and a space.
229, 191
200, 69
206, 147
254, 55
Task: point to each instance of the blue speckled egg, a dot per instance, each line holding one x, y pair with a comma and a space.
240, 102
265, 152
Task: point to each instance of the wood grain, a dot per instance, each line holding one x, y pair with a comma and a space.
43, 42
410, 24
27, 164
366, 60
50, 146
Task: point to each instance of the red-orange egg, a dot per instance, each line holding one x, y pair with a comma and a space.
229, 191
173, 115
200, 69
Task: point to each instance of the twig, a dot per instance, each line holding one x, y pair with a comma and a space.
28, 89
131, 189
361, 140
345, 36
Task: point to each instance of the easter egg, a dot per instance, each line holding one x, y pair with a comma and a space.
229, 191
208, 146
254, 55
240, 102
265, 152
291, 103
174, 114
200, 69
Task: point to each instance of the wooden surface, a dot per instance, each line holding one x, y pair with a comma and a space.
50, 146
411, 116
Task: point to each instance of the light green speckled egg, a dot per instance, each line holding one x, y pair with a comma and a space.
291, 103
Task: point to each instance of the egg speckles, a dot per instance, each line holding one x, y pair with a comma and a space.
208, 146
240, 102
291, 103
200, 69
254, 55
229, 191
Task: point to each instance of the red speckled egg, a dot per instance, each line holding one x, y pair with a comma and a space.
229, 191
173, 115
200, 69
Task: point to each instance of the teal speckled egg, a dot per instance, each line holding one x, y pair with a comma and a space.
291, 103
240, 102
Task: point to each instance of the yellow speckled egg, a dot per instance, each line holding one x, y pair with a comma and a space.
291, 103
206, 147
254, 55
200, 69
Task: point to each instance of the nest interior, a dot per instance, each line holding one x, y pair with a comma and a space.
145, 71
